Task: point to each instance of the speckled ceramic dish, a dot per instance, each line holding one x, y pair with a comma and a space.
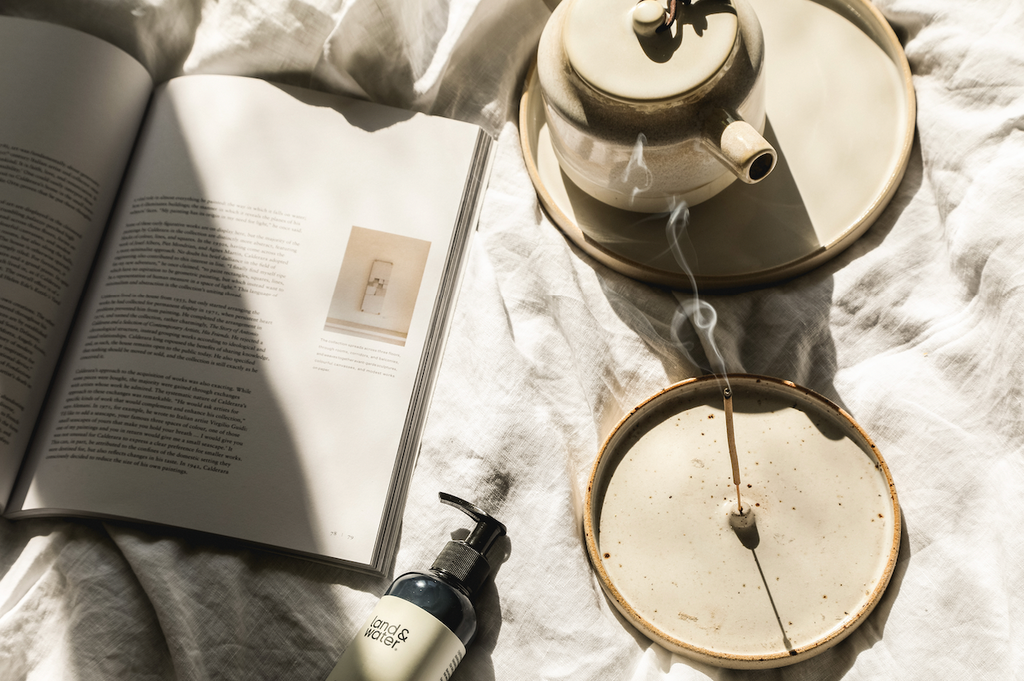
660, 532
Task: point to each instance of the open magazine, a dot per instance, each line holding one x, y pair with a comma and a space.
222, 301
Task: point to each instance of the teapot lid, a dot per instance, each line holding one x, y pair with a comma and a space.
607, 52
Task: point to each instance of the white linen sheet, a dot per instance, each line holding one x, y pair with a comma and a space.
917, 330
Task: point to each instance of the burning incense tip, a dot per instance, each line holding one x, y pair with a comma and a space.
731, 437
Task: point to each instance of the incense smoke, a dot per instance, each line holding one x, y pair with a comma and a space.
636, 171
700, 313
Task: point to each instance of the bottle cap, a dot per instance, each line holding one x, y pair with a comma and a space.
464, 560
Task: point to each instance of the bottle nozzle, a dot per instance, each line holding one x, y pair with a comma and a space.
464, 560
487, 529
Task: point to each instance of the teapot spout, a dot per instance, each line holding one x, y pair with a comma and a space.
740, 148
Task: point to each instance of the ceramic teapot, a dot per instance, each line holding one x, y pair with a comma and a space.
653, 103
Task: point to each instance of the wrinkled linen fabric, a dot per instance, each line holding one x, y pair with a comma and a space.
916, 330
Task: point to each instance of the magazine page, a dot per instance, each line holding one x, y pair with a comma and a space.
247, 352
70, 109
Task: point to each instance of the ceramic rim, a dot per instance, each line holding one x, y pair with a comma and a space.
870, 20
598, 482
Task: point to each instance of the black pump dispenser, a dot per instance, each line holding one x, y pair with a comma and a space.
464, 561
421, 626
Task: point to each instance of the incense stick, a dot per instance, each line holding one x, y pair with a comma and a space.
731, 437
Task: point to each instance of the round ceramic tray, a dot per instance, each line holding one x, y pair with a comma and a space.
826, 522
841, 113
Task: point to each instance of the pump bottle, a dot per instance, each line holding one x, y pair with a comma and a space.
420, 628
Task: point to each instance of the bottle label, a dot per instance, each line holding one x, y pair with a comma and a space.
400, 642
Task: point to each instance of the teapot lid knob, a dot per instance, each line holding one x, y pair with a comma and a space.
648, 17
624, 48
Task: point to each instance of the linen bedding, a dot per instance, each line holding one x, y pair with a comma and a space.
917, 330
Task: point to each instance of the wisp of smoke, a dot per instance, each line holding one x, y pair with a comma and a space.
700, 313
636, 172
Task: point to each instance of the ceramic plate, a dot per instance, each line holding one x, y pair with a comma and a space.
841, 113
813, 565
